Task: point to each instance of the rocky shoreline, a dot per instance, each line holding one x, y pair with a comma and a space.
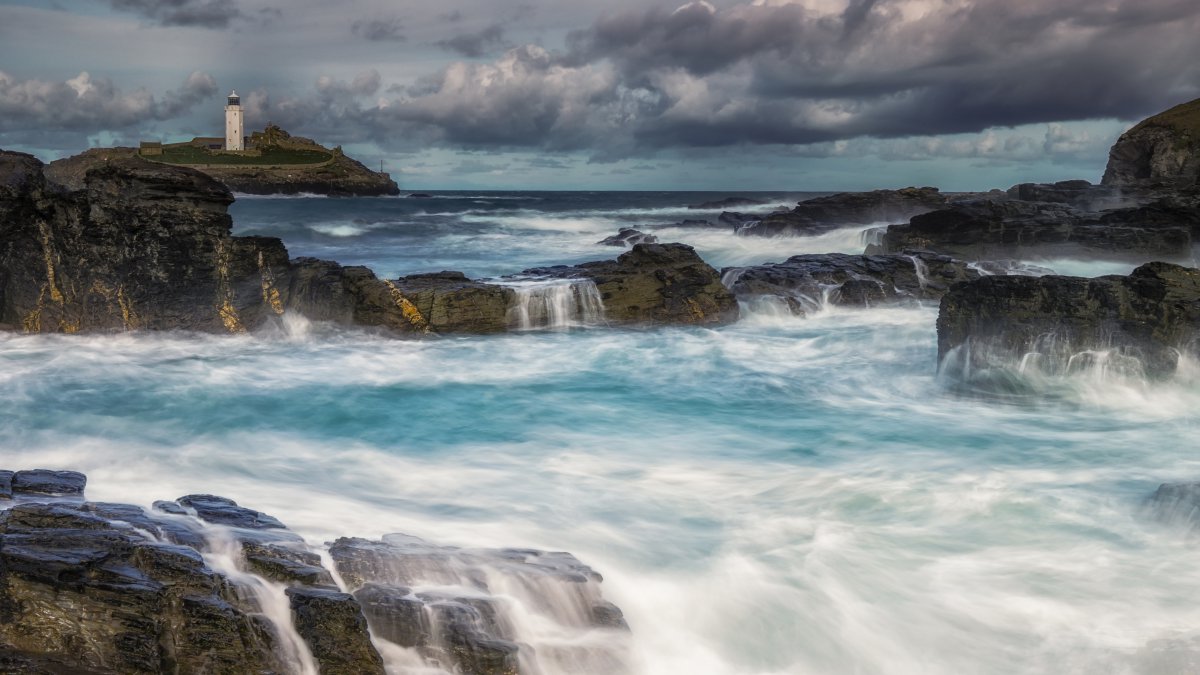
201, 584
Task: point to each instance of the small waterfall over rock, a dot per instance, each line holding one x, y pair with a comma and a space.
485, 610
556, 304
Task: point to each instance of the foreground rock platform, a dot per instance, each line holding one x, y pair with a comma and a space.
201, 584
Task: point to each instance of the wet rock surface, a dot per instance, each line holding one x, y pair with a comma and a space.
1141, 322
823, 214
805, 283
333, 626
979, 230
655, 284
102, 588
453, 605
452, 303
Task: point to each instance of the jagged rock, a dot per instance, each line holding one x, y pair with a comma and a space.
81, 593
655, 284
333, 626
1146, 319
806, 282
287, 562
108, 241
627, 237
6, 492
727, 203
452, 303
420, 195
822, 214
1161, 150
1001, 229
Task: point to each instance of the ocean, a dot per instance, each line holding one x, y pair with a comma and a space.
784, 495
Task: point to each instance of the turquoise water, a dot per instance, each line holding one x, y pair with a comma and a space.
783, 495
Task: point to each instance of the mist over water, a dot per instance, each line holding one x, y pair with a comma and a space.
784, 495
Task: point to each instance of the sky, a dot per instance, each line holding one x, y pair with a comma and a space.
621, 94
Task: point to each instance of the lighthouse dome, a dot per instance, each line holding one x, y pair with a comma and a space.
234, 99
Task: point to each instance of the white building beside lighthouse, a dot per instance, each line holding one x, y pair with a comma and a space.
235, 130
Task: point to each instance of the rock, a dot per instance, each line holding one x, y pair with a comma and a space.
439, 600
420, 195
1139, 323
288, 562
452, 303
107, 241
627, 237
50, 483
980, 230
223, 511
689, 223
80, 594
1161, 150
333, 626
728, 202
6, 492
1079, 194
805, 283
823, 214
657, 284
1177, 504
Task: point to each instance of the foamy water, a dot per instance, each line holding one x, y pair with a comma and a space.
781, 496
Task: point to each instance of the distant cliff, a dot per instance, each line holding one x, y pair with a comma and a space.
1161, 150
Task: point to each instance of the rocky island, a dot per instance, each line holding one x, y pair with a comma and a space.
275, 162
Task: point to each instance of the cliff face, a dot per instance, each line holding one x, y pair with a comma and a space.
343, 177
1161, 150
108, 241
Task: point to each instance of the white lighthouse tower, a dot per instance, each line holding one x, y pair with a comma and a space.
235, 130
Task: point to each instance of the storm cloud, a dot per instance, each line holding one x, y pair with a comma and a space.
86, 103
782, 73
202, 13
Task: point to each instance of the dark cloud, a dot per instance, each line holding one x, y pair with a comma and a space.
767, 74
87, 104
783, 74
202, 13
379, 30
477, 44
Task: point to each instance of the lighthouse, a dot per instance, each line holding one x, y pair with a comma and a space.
235, 131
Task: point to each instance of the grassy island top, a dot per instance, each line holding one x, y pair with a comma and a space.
271, 147
1184, 117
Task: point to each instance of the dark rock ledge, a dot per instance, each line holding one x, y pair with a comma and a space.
1142, 323
108, 589
111, 242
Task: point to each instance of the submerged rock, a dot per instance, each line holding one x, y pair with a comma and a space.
627, 237
727, 203
805, 283
1177, 504
1140, 323
823, 214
